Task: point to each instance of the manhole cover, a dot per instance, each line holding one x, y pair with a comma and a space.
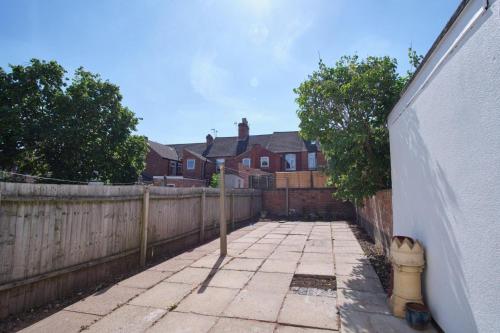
313, 285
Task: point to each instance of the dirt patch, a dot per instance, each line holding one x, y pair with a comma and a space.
312, 285
376, 256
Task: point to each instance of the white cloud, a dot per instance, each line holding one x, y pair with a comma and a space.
212, 81
254, 82
291, 32
258, 33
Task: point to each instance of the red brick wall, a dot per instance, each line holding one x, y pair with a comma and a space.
198, 166
305, 202
375, 216
156, 165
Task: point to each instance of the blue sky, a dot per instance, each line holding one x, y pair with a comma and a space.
187, 67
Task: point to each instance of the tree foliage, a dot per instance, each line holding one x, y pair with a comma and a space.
214, 180
345, 107
68, 129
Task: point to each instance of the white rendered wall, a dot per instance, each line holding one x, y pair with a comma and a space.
445, 158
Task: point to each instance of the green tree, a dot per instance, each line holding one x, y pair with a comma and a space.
214, 180
71, 130
345, 107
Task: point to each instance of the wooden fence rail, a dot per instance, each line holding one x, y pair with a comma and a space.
50, 232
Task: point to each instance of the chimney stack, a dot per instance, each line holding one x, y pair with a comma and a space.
210, 139
243, 130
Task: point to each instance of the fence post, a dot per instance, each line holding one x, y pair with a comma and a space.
223, 225
202, 215
144, 231
286, 196
232, 210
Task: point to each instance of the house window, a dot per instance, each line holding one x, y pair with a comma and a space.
311, 160
218, 163
170, 185
190, 164
246, 162
290, 162
264, 162
173, 168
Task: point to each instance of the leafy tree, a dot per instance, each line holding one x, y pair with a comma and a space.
214, 180
67, 130
345, 107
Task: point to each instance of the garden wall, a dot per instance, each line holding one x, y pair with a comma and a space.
375, 216
306, 202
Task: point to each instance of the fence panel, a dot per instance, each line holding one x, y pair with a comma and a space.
49, 231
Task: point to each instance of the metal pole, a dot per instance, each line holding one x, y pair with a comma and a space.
223, 226
286, 196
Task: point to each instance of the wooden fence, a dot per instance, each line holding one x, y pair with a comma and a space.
301, 179
55, 239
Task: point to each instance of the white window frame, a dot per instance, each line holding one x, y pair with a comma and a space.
249, 162
292, 162
311, 157
266, 160
193, 166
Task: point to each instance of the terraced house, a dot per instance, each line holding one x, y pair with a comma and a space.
192, 164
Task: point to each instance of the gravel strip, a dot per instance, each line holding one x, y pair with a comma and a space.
376, 256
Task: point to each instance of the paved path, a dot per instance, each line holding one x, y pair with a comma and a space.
246, 291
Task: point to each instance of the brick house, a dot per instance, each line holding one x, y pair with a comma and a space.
279, 151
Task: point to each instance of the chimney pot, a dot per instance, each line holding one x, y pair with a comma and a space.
210, 139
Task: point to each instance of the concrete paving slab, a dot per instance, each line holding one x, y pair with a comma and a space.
104, 301
233, 325
363, 322
128, 318
354, 300
211, 261
244, 264
356, 270
191, 255
172, 265
274, 236
254, 254
63, 322
146, 279
269, 241
341, 250
353, 258
311, 311
279, 266
191, 275
316, 257
229, 279
290, 248
258, 305
346, 243
241, 246
315, 268
263, 247
295, 329
163, 296
285, 255
207, 301
372, 285
246, 239
270, 282
180, 322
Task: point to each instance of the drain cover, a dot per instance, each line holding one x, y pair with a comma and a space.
313, 285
